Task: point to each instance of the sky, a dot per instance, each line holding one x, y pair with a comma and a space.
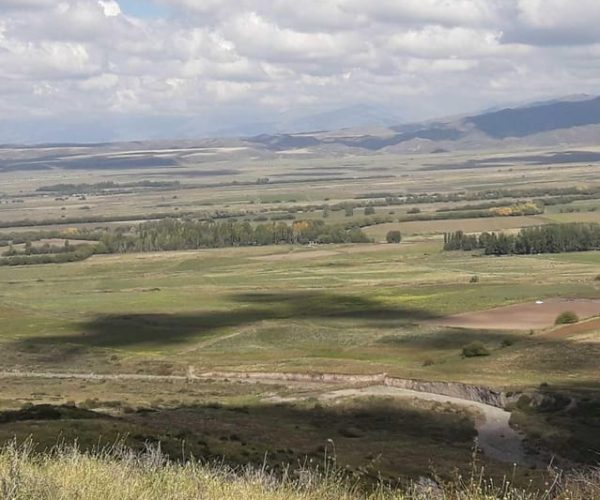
96, 70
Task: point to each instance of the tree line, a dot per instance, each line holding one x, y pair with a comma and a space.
491, 194
178, 234
100, 187
175, 234
553, 238
75, 254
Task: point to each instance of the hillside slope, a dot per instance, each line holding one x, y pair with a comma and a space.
568, 122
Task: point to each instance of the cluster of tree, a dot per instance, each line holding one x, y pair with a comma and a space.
492, 199
84, 220
173, 234
554, 238
8, 239
287, 216
473, 206
461, 241
101, 219
468, 214
76, 254
44, 249
178, 234
540, 196
527, 208
371, 221
100, 187
524, 208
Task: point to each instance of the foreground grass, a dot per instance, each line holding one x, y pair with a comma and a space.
66, 473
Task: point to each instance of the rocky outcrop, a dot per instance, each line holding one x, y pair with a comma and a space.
473, 393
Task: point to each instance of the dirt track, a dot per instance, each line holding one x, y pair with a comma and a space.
528, 316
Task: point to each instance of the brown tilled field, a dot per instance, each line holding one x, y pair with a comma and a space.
528, 316
578, 330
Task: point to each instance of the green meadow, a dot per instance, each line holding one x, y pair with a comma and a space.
362, 308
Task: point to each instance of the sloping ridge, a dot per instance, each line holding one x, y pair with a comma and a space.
517, 123
521, 122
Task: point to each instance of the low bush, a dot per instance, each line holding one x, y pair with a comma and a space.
394, 237
566, 318
475, 349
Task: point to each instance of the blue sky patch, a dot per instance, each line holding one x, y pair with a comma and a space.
145, 9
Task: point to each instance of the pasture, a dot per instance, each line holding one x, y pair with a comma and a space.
350, 309
406, 310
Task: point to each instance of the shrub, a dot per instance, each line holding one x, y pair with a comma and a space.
394, 237
566, 318
475, 349
507, 342
474, 279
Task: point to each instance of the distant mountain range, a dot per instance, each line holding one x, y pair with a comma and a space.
357, 116
561, 123
572, 121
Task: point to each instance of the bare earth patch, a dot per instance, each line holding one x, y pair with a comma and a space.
582, 331
528, 316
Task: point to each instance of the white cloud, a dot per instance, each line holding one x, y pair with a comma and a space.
560, 14
444, 12
439, 41
224, 58
105, 81
110, 7
255, 36
556, 22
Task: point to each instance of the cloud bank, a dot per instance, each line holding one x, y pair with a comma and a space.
205, 66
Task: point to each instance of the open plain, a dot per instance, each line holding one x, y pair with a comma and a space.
123, 345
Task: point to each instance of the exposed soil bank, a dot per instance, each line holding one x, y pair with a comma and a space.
466, 392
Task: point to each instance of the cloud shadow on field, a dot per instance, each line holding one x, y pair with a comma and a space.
164, 329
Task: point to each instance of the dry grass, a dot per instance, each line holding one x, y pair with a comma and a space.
117, 473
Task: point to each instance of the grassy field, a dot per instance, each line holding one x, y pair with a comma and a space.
351, 309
